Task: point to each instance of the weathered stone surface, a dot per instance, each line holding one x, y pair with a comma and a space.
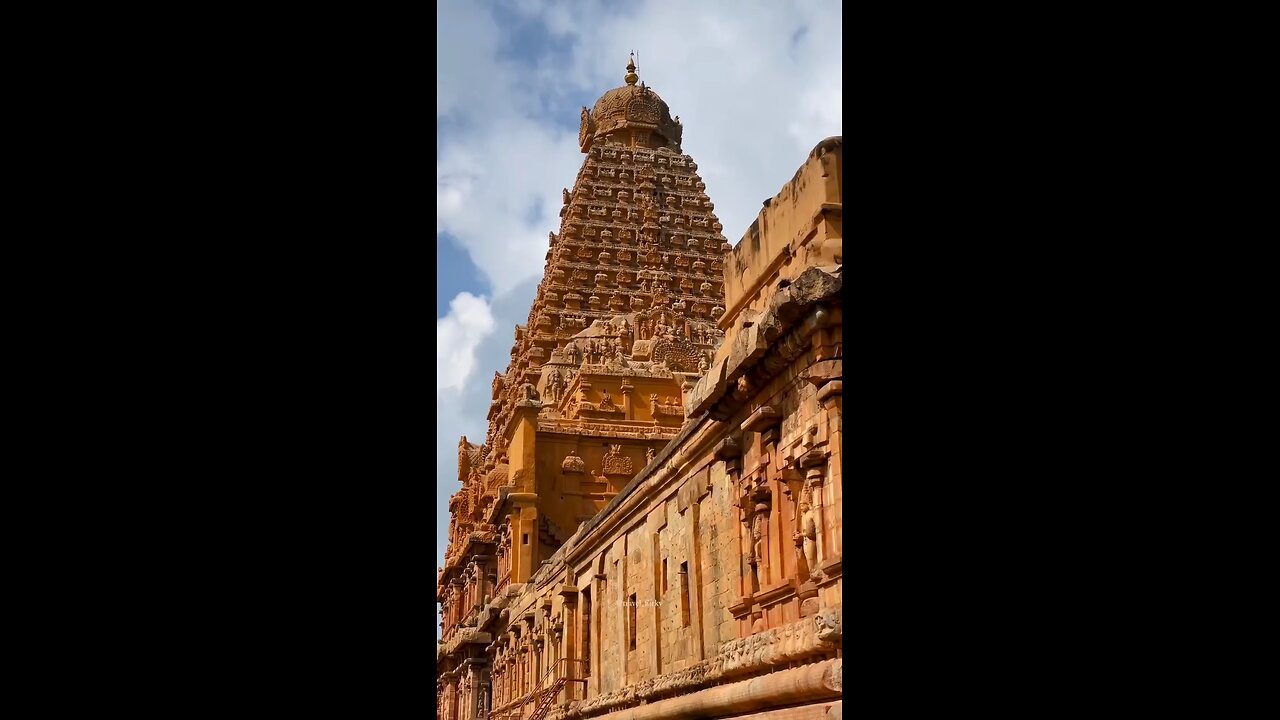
709, 584
710, 388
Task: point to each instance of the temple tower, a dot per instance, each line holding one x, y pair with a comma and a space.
623, 325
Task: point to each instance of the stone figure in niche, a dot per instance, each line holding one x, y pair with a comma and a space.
702, 364
653, 402
571, 351
555, 384
606, 402
809, 530
565, 192
758, 521
648, 453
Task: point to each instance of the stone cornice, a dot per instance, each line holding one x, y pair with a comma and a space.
463, 636
763, 349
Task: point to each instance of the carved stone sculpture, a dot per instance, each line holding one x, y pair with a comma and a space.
615, 463
606, 402
573, 463
828, 625
555, 386
809, 532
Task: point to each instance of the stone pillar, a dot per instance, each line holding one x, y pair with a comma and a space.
567, 641
523, 456
504, 564
695, 582
825, 375
525, 539
468, 593
598, 602
455, 601
626, 401
469, 694
833, 491
450, 698
624, 614
655, 612
491, 578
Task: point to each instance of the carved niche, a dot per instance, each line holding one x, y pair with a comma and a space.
606, 402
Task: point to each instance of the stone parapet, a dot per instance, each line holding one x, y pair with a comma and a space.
791, 227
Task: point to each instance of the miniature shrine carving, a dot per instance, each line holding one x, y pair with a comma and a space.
573, 463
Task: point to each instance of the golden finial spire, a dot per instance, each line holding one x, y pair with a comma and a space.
631, 76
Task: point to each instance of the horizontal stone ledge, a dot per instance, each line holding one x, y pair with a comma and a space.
810, 683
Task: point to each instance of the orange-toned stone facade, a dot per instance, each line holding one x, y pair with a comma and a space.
651, 528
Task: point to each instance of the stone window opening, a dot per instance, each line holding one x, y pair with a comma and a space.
684, 594
524, 538
664, 576
632, 633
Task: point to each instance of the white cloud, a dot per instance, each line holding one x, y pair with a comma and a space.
498, 193
457, 334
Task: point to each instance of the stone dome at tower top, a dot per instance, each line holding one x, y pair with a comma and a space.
630, 106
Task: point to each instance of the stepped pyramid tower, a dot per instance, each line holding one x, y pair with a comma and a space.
623, 326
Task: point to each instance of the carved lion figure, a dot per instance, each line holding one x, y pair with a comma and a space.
827, 622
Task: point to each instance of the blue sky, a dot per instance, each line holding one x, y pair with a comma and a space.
756, 83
